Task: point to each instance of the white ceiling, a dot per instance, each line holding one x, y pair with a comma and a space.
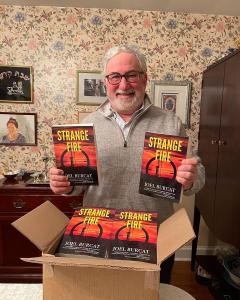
219, 7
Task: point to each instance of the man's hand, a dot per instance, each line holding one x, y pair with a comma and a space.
187, 172
59, 183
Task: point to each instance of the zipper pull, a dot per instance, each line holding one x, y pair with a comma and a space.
125, 144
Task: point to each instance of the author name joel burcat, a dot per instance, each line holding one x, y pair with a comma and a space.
159, 187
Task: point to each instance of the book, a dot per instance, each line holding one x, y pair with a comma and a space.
87, 233
162, 155
134, 236
111, 233
76, 153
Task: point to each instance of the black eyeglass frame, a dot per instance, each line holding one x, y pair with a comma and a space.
125, 76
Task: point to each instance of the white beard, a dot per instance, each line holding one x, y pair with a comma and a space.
126, 106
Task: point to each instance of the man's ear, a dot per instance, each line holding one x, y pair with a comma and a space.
145, 78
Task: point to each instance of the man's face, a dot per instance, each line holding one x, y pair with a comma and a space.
125, 97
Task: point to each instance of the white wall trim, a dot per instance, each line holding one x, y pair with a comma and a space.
185, 252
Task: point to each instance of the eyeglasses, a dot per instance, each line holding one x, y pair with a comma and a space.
132, 77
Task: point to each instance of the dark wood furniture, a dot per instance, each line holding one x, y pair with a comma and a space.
219, 147
16, 199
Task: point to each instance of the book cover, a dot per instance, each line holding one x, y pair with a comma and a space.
87, 233
162, 155
134, 236
76, 153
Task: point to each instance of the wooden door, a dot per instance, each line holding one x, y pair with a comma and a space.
227, 204
210, 120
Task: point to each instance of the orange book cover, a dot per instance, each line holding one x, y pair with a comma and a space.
162, 155
76, 153
87, 233
134, 236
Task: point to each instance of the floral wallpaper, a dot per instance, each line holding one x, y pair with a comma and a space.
58, 41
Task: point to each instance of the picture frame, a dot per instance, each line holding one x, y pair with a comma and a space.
174, 96
18, 129
90, 89
16, 84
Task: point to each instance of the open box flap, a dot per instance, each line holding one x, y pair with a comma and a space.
93, 262
173, 233
42, 225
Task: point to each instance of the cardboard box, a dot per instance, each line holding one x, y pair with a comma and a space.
89, 278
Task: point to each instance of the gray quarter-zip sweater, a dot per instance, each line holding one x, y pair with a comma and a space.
119, 160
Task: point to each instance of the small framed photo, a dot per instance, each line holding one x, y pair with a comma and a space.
173, 96
90, 88
18, 129
16, 84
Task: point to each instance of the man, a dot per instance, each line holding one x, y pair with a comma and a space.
120, 126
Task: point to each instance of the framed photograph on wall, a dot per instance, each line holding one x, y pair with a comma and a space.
16, 84
90, 88
174, 96
18, 129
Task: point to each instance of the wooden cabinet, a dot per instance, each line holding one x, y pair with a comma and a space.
219, 148
16, 199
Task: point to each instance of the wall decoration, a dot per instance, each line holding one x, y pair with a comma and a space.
173, 96
90, 88
16, 84
18, 129
69, 39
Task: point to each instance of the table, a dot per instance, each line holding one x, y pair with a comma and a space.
170, 292
34, 292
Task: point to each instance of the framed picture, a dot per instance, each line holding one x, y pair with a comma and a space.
173, 96
18, 129
90, 89
16, 84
